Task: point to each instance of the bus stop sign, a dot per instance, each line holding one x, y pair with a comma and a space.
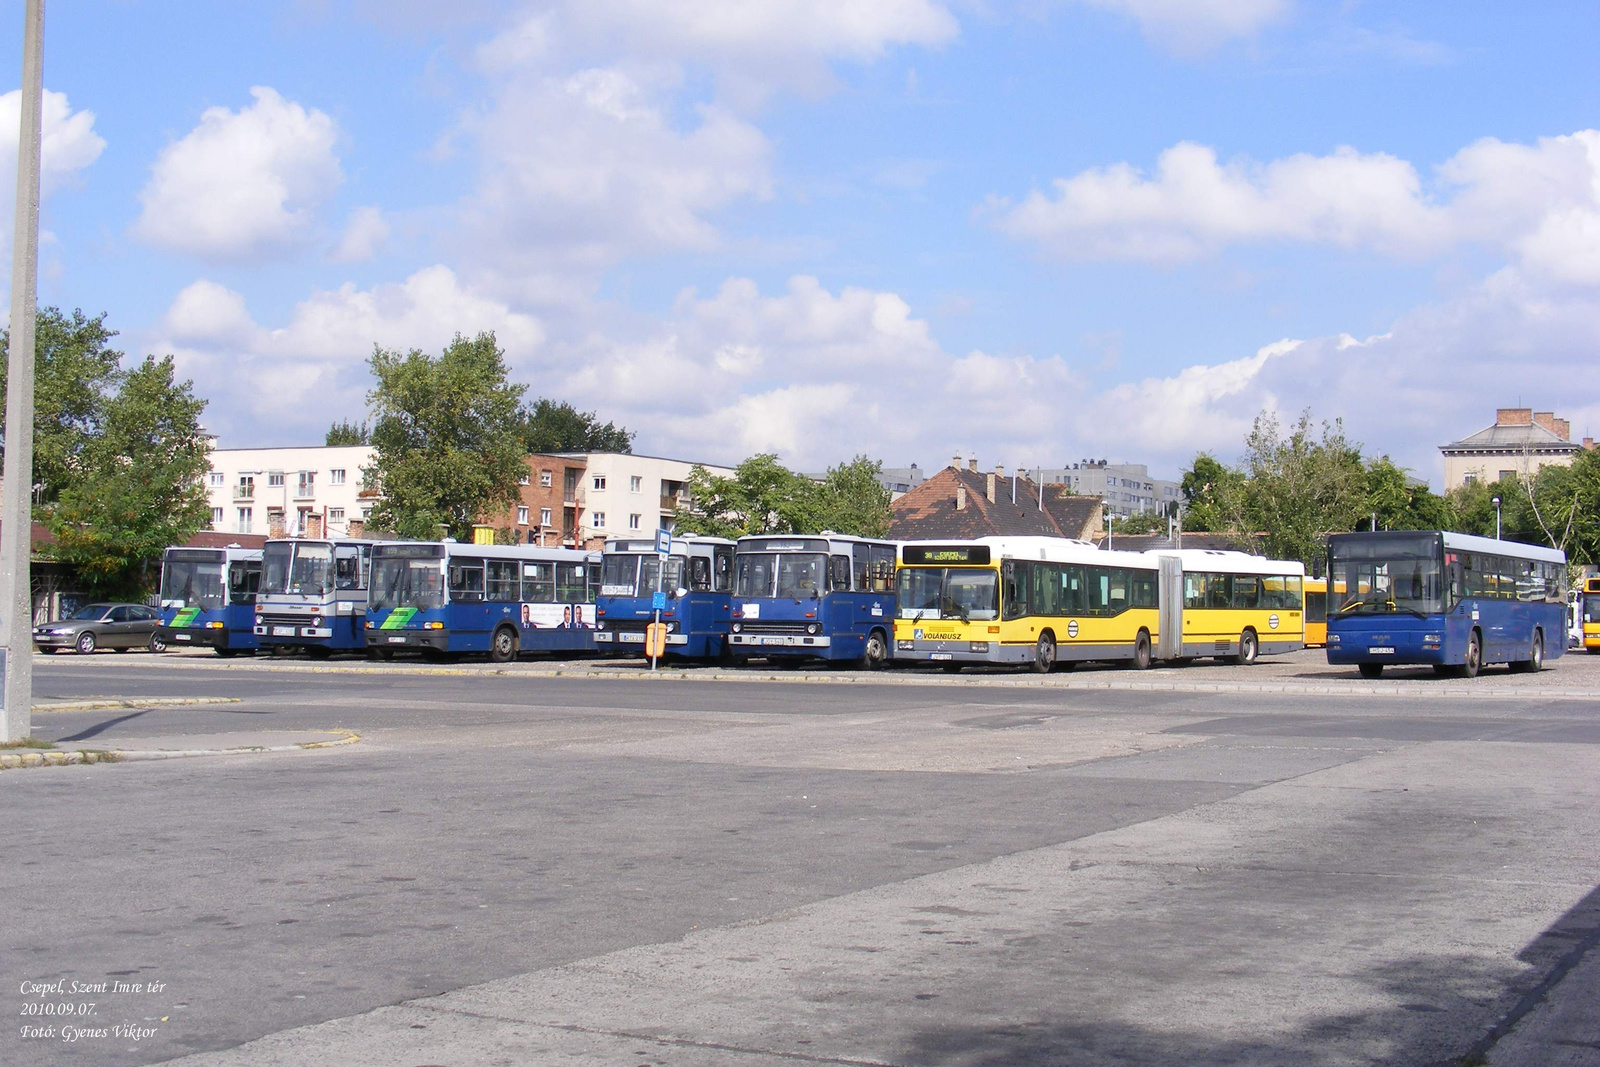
663, 541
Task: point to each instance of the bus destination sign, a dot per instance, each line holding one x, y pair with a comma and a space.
965, 554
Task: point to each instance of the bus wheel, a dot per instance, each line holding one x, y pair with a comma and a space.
1141, 652
1044, 653
503, 646
158, 643
1474, 662
1249, 648
1371, 670
386, 653
876, 652
1535, 660
226, 653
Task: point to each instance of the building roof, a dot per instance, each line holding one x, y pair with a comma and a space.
929, 511
1502, 438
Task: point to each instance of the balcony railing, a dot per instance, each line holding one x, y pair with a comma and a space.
244, 492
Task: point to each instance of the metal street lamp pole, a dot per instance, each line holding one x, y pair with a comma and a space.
16, 512
1497, 518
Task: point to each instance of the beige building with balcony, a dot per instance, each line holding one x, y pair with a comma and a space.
1520, 442
274, 491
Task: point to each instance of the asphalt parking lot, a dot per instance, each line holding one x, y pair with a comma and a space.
569, 862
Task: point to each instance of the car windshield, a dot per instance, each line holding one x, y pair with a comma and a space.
192, 584
947, 592
407, 582
90, 611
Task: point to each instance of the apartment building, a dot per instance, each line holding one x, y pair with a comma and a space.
273, 491
1519, 443
1127, 488
581, 498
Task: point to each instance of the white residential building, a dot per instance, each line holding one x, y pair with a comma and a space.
259, 490
627, 494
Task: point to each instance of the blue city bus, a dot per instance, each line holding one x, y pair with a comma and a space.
825, 596
444, 598
314, 594
1450, 600
698, 584
208, 598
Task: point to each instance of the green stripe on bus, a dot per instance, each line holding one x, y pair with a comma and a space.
186, 617
398, 618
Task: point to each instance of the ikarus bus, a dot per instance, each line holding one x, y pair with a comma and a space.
823, 596
314, 594
1230, 605
697, 584
447, 598
208, 598
1029, 601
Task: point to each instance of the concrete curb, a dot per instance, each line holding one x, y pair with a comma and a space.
112, 703
56, 758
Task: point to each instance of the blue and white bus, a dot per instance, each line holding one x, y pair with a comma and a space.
825, 596
1450, 600
314, 594
698, 583
208, 598
448, 598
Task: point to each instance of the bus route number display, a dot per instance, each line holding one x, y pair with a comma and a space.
963, 554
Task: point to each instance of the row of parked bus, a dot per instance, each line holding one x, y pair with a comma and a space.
1036, 602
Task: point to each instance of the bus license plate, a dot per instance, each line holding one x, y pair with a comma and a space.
939, 655
631, 639
397, 640
181, 637
283, 631
1382, 650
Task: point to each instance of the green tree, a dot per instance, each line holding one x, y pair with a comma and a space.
138, 483
75, 369
1301, 486
853, 501
1398, 503
1584, 546
763, 496
448, 437
1213, 495
346, 432
551, 426
1142, 522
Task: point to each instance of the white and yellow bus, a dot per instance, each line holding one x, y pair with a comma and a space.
1039, 601
1230, 605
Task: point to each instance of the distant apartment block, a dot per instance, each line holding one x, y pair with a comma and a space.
1520, 442
1127, 488
277, 491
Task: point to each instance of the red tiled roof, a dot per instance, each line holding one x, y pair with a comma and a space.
929, 511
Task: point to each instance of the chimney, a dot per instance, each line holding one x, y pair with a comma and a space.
955, 461
313, 525
999, 470
990, 491
1513, 417
961, 498
356, 527
972, 464
1588, 442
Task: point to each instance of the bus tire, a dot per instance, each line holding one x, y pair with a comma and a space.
1044, 653
1371, 670
1249, 649
1474, 662
225, 653
875, 653
1141, 651
386, 653
158, 643
1535, 660
503, 645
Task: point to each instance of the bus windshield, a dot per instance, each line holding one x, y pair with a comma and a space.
800, 575
192, 583
407, 582
1411, 585
954, 592
635, 573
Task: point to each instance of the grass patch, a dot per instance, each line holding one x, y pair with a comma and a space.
28, 742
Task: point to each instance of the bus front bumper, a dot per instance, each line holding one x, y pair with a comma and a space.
627, 638
196, 636
749, 642
275, 633
915, 651
435, 639
1394, 647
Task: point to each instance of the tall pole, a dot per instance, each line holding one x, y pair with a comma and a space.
16, 511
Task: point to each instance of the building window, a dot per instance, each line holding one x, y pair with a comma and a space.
366, 514
597, 519
522, 515
336, 476
633, 521
275, 480
216, 479
246, 489
525, 479
1507, 474
599, 481
216, 518
544, 516
336, 514
1469, 478
635, 483
244, 520
546, 479
306, 484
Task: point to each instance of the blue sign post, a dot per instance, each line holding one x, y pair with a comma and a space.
658, 600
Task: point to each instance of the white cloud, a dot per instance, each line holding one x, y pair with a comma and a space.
1191, 26
363, 235
242, 184
69, 143
290, 382
1536, 202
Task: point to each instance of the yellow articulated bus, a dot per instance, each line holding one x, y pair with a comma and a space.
1036, 601
1590, 608
1316, 618
1230, 605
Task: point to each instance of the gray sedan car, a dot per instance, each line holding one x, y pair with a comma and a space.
119, 626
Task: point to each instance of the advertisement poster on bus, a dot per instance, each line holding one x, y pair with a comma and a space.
558, 616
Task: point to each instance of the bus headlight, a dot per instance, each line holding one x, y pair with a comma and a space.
812, 628
316, 620
978, 646
601, 625
738, 627
258, 620
436, 626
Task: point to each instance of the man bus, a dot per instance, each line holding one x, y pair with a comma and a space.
314, 595
445, 599
1453, 601
697, 583
208, 598
824, 596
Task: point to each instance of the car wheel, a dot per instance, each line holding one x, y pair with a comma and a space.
85, 643
158, 643
1044, 654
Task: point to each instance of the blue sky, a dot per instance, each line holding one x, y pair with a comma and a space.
1034, 231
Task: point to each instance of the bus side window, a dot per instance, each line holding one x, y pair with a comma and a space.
1046, 589
501, 583
1015, 581
572, 583
539, 583
722, 558
1194, 590
839, 574
466, 580
1246, 591
861, 565
1144, 590
1073, 599
882, 568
